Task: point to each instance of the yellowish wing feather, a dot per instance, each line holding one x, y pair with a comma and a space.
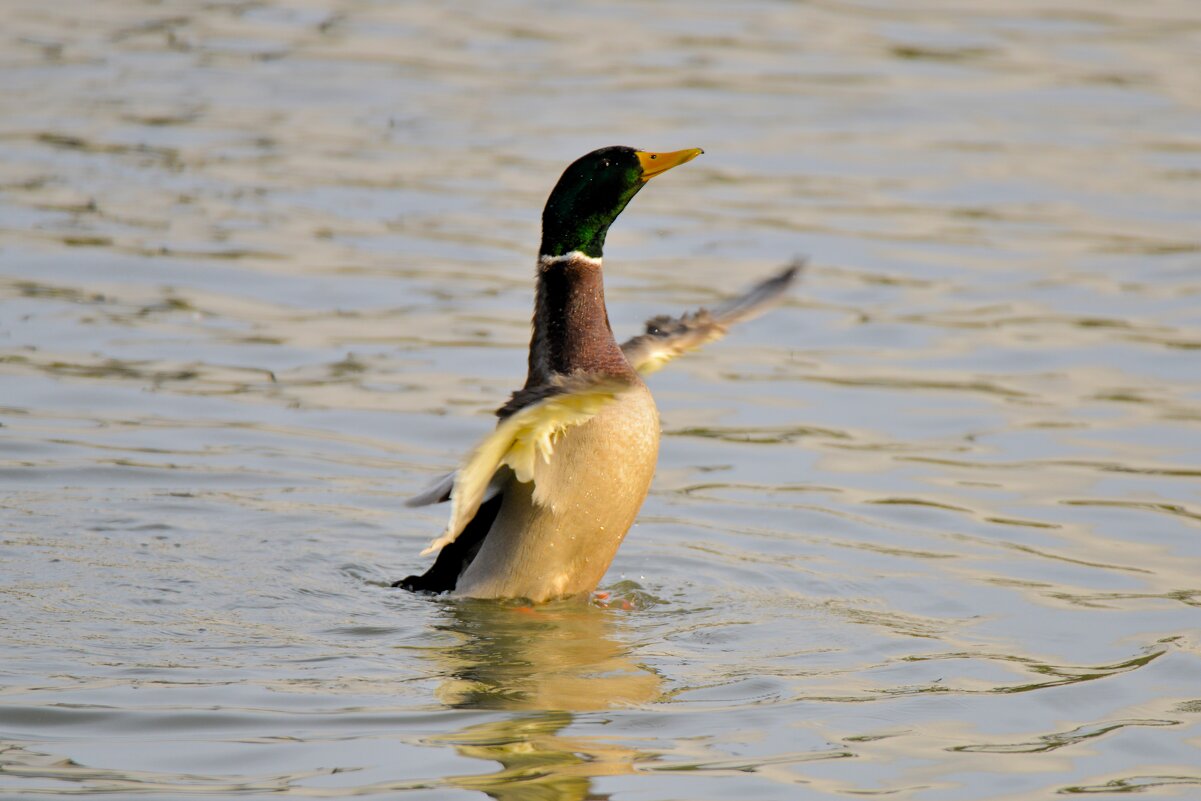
517, 442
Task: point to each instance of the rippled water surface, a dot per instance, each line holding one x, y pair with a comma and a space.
930, 530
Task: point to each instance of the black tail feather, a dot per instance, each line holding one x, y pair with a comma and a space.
454, 558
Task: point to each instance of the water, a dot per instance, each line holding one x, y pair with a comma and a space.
929, 531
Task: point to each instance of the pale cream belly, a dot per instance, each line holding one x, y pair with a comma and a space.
594, 485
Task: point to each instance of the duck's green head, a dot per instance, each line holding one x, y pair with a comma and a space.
594, 190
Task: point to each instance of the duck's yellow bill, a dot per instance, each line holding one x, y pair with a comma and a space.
655, 163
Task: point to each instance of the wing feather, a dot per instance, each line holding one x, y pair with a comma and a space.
437, 492
518, 442
667, 337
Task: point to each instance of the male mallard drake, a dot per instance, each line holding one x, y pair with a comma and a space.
540, 507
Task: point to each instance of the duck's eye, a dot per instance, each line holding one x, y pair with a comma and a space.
605, 163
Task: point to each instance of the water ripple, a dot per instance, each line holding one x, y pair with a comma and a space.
928, 529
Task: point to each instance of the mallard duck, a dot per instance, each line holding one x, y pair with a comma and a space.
539, 508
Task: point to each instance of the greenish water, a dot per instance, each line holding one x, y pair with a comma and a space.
930, 530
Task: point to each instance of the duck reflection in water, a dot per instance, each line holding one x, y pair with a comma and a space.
543, 664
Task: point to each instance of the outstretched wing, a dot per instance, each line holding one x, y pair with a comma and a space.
667, 337
532, 420
518, 441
